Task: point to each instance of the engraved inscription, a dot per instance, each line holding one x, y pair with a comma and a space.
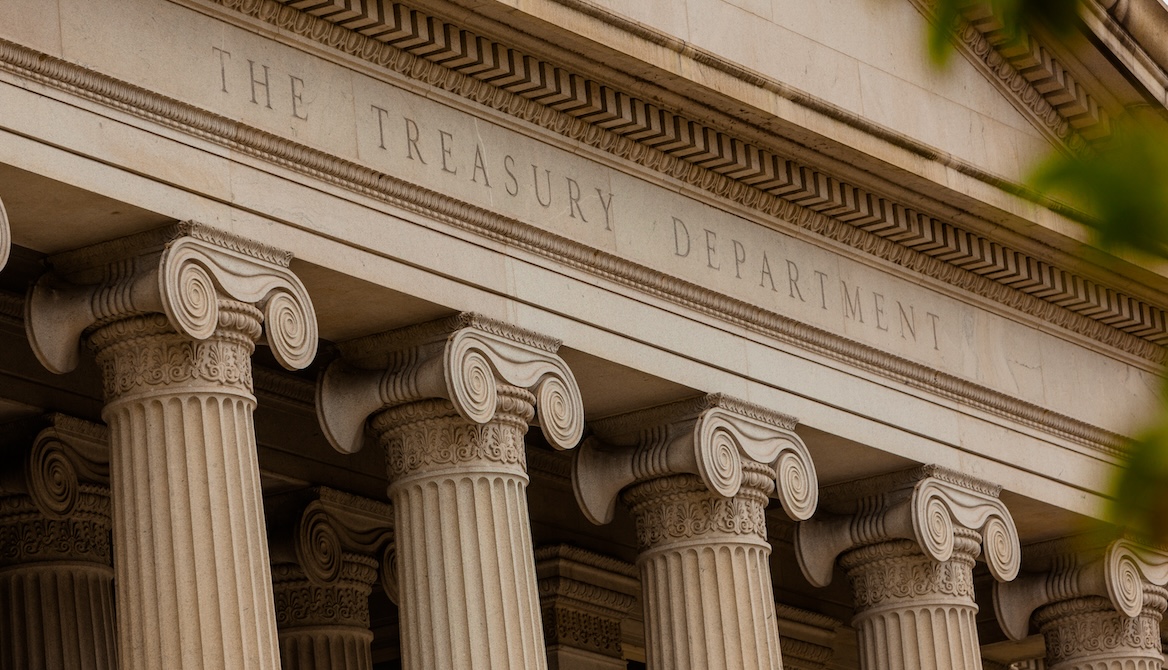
519, 176
706, 245
261, 83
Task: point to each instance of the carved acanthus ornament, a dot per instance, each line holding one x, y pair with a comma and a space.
909, 548
450, 402
173, 316
323, 571
583, 598
696, 476
56, 573
1096, 609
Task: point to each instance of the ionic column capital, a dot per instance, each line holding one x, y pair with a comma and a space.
66, 462
711, 437
326, 527
56, 573
1128, 575
5, 236
327, 550
182, 271
463, 359
930, 506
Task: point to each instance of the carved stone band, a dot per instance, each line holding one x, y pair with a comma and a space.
464, 359
927, 506
710, 437
183, 271
1122, 573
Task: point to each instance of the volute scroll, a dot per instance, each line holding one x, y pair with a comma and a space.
182, 271
709, 437
5, 236
1120, 572
926, 505
463, 360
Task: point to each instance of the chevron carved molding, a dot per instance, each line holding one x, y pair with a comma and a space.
1074, 115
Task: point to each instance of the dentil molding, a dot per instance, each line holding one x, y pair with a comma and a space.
1016, 274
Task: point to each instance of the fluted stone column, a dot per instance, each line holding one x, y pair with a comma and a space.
328, 549
696, 476
908, 547
584, 598
56, 576
1097, 609
450, 403
173, 316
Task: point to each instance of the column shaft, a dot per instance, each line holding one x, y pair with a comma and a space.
465, 563
705, 573
194, 583
913, 612
325, 627
56, 591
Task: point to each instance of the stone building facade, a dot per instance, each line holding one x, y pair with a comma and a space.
566, 334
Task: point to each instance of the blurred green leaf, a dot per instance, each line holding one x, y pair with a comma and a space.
1124, 189
1013, 16
1140, 503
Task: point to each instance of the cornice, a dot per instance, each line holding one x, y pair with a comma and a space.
589, 111
852, 225
1032, 78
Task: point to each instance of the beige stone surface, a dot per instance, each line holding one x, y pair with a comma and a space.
174, 346
696, 476
908, 549
450, 402
866, 57
1096, 607
56, 572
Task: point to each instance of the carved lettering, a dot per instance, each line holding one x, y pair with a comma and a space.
222, 66
711, 240
607, 205
480, 166
678, 226
878, 301
766, 273
260, 82
264, 84
793, 280
548, 187
933, 318
508, 166
574, 199
412, 137
907, 321
822, 288
852, 310
739, 258
382, 115
443, 138
297, 97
